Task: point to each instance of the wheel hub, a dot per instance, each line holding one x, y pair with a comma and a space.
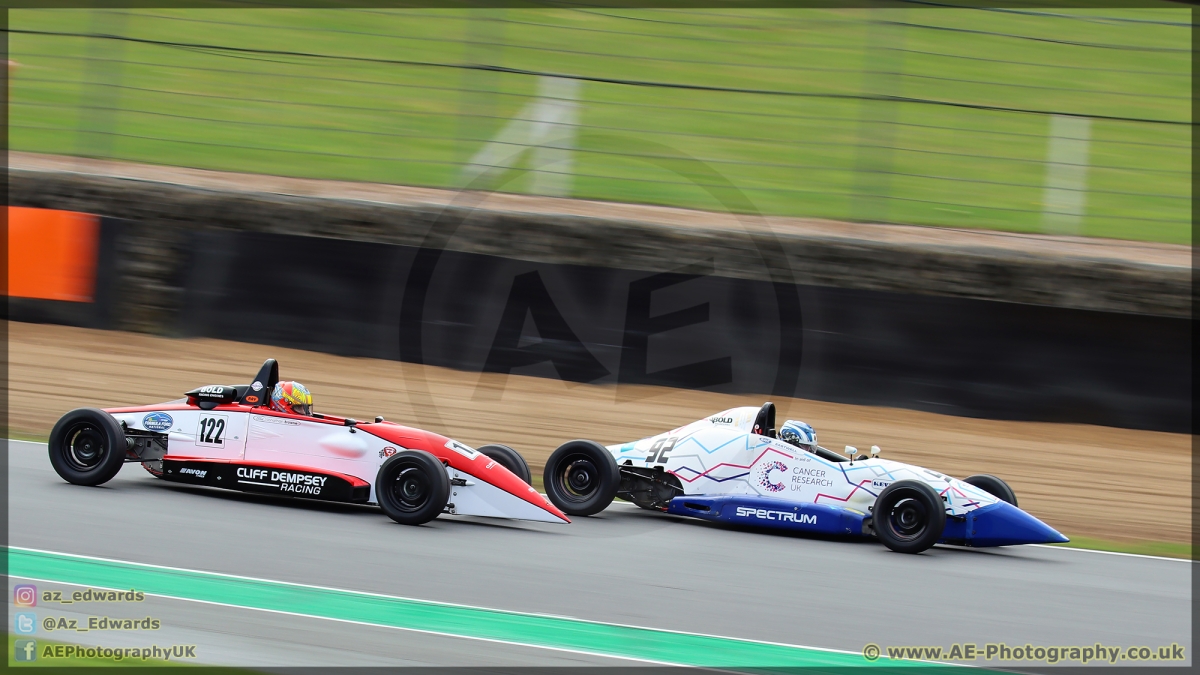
581, 478
411, 489
86, 447
907, 518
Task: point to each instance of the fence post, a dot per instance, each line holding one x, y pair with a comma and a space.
1065, 198
478, 99
101, 94
883, 71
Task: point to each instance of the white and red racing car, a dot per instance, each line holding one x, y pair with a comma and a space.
731, 467
227, 437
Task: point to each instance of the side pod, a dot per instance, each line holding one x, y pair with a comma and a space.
774, 513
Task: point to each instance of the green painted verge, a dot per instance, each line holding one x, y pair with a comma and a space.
469, 622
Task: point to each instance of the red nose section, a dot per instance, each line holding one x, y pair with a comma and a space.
464, 459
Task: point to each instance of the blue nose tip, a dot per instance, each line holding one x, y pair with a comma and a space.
1003, 524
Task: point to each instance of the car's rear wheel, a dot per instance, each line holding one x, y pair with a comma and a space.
994, 487
412, 487
909, 516
581, 478
87, 447
509, 459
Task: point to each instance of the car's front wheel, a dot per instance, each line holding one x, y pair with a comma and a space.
994, 487
509, 459
909, 516
87, 447
412, 487
581, 478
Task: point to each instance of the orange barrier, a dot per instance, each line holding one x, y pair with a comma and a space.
52, 254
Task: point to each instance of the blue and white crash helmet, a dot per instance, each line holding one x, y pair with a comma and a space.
799, 434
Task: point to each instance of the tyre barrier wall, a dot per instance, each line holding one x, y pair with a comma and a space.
713, 313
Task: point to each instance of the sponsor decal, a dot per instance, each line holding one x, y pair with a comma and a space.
285, 481
489, 465
157, 421
764, 475
257, 386
803, 475
275, 420
387, 452
880, 483
778, 516
198, 473
251, 399
721, 420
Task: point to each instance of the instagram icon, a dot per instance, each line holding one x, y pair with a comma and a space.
25, 595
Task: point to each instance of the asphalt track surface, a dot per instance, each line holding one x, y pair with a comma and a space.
625, 566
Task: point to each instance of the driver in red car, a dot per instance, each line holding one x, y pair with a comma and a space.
291, 397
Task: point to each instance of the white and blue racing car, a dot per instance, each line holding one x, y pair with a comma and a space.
733, 467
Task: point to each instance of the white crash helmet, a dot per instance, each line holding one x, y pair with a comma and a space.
799, 434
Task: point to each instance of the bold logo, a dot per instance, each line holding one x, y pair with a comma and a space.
25, 595
764, 475
387, 452
780, 516
25, 623
198, 473
721, 420
251, 399
157, 421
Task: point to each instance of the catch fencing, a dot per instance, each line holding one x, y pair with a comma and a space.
1033, 120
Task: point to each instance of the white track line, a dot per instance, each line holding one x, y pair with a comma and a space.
1127, 555
426, 602
363, 623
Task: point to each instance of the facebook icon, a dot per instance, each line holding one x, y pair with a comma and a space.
25, 650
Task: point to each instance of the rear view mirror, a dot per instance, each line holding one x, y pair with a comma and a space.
875, 451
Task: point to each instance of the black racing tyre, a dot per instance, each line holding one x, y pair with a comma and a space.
509, 459
87, 447
412, 487
909, 516
581, 478
994, 487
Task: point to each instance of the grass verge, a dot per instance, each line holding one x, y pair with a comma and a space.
1165, 549
822, 145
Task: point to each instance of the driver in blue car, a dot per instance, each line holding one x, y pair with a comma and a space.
799, 434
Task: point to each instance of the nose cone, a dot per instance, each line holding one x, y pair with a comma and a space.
1003, 524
